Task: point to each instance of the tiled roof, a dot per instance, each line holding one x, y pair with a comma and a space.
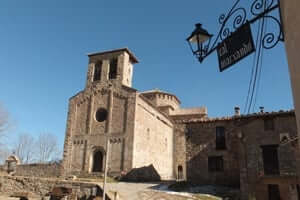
236, 117
132, 56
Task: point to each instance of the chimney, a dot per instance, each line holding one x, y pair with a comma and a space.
261, 109
237, 111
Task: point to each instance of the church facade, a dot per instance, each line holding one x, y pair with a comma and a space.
140, 129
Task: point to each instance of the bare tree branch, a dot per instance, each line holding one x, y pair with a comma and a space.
4, 121
4, 125
24, 148
4, 153
47, 147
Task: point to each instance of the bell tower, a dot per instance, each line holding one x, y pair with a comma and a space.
115, 66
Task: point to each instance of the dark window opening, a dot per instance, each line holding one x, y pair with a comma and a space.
215, 164
269, 124
98, 161
220, 138
97, 71
113, 69
274, 193
270, 159
101, 115
180, 172
298, 191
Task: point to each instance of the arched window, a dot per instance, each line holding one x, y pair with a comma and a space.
97, 71
113, 67
180, 172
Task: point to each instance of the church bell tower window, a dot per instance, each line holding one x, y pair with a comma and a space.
97, 71
113, 69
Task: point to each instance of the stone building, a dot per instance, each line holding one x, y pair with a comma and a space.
254, 152
138, 125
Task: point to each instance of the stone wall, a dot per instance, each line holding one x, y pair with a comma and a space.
153, 139
291, 28
39, 170
252, 167
85, 135
161, 99
39, 187
201, 144
2, 169
290, 22
242, 159
124, 66
179, 151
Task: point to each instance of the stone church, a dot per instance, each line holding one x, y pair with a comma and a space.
138, 125
254, 152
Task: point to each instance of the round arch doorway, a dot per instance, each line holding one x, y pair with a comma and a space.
97, 162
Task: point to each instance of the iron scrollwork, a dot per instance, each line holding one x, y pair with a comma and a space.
237, 16
269, 39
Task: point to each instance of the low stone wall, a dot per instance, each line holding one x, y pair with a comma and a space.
39, 170
39, 187
2, 170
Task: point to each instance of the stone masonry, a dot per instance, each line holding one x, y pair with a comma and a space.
150, 128
138, 125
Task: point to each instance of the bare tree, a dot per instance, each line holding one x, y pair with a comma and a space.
4, 120
24, 148
47, 148
4, 153
4, 125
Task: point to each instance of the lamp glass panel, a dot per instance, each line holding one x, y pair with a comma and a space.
202, 38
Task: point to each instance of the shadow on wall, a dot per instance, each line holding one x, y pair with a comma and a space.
220, 173
143, 174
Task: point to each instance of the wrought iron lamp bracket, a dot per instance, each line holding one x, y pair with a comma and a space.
238, 16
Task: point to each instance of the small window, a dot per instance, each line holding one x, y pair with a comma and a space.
270, 159
101, 115
97, 71
274, 193
179, 172
220, 138
269, 124
113, 69
215, 164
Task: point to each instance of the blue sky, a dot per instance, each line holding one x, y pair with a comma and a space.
44, 45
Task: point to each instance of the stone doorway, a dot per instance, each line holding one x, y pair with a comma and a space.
97, 161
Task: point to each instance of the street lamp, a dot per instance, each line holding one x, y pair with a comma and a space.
199, 42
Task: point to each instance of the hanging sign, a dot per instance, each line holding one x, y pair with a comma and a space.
235, 47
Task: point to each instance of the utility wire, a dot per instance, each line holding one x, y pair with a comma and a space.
252, 71
260, 68
260, 33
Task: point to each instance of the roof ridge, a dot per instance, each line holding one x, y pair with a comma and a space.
234, 117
